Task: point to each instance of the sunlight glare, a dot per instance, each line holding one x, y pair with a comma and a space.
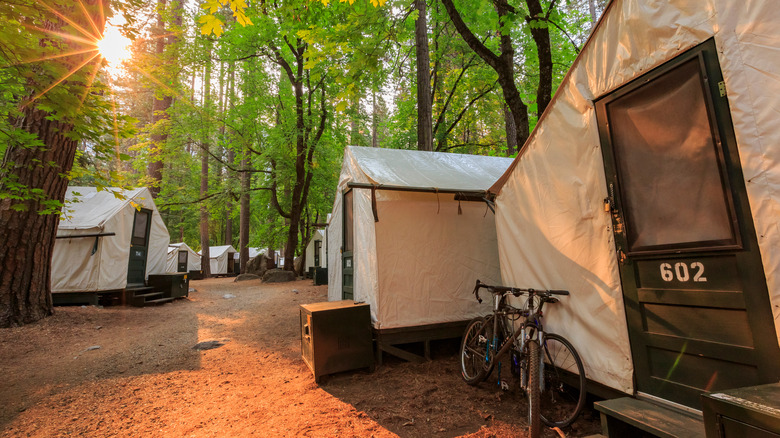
114, 47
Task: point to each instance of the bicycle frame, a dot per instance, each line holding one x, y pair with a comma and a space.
530, 328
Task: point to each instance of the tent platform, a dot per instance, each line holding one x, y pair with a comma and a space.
388, 340
162, 288
628, 416
103, 298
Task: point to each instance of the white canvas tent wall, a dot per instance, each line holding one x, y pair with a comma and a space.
318, 236
172, 263
418, 264
75, 268
553, 230
218, 258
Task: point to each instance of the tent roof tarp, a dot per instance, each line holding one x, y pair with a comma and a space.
89, 208
420, 169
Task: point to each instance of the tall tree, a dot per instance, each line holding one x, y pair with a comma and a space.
424, 108
307, 137
502, 63
205, 259
43, 116
166, 50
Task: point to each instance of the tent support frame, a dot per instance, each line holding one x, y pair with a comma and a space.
460, 195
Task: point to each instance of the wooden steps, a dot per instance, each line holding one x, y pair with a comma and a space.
630, 417
162, 288
145, 296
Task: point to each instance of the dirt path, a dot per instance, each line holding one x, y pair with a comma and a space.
147, 380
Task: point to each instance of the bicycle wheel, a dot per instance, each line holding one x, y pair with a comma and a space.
476, 361
563, 392
534, 388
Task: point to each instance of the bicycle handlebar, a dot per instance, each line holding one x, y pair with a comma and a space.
515, 291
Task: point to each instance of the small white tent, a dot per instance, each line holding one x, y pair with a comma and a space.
416, 255
650, 188
181, 255
221, 259
104, 242
315, 251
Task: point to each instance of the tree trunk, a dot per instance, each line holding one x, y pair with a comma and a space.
511, 132
354, 125
159, 111
424, 110
244, 213
541, 37
27, 240
205, 260
374, 133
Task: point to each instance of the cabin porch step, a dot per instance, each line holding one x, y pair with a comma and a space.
159, 301
627, 416
140, 297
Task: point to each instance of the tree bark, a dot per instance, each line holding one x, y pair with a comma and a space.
27, 240
354, 126
424, 106
511, 132
374, 117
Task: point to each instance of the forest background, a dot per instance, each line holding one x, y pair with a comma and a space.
236, 113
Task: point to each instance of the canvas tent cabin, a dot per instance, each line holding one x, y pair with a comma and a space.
406, 237
222, 260
181, 258
315, 251
105, 243
253, 252
650, 189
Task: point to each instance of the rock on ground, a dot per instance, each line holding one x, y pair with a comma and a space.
247, 277
278, 276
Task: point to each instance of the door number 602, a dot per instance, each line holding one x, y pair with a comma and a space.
681, 272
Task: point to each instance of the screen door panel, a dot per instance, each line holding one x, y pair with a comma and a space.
669, 166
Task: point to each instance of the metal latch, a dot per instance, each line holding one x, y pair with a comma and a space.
722, 88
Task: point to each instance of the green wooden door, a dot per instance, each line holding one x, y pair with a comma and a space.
139, 247
694, 289
347, 260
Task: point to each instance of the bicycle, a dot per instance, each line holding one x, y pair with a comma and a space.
548, 377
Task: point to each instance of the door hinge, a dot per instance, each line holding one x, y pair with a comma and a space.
722, 88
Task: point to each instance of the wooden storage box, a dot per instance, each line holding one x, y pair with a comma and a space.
753, 411
336, 336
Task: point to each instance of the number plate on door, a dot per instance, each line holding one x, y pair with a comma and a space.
708, 273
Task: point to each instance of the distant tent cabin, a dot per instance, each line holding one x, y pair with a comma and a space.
181, 258
222, 260
407, 237
316, 256
253, 252
650, 188
105, 243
